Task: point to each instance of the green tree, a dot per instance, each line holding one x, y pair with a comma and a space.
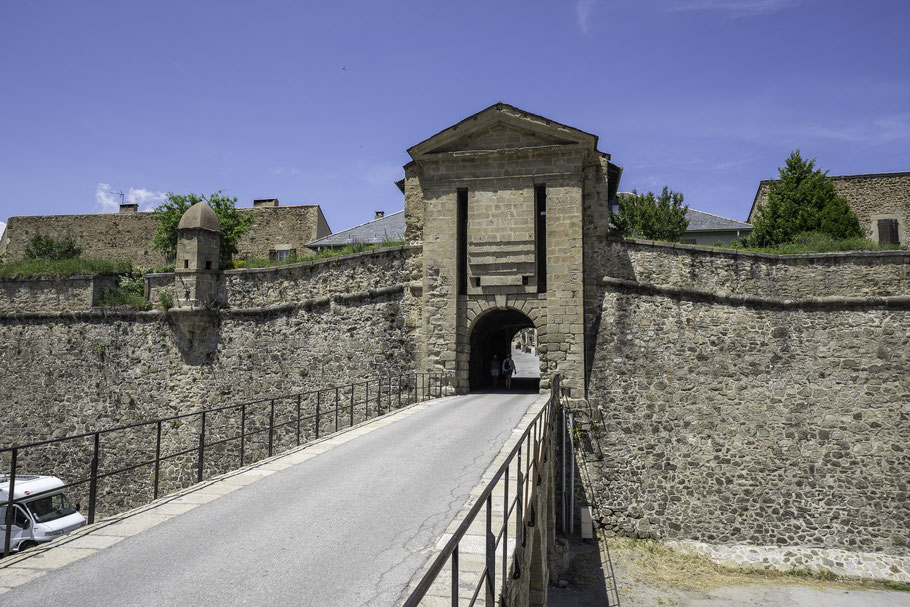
233, 223
656, 218
45, 247
802, 200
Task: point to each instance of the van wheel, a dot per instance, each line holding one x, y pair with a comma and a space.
25, 545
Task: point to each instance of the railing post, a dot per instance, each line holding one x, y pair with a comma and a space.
352, 403
455, 577
242, 432
505, 528
399, 391
157, 458
519, 514
318, 404
491, 554
379, 397
271, 425
563, 496
201, 450
298, 420
366, 402
572, 472
336, 408
10, 503
93, 484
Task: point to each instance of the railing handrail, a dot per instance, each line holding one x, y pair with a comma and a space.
206, 410
452, 545
426, 386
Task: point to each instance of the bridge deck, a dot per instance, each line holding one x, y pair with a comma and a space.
348, 521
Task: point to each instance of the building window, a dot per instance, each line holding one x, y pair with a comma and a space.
887, 232
540, 212
282, 254
461, 221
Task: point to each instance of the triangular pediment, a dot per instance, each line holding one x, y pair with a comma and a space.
501, 127
499, 136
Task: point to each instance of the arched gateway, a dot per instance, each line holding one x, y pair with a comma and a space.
507, 206
491, 336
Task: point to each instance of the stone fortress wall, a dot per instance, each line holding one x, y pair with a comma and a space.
53, 294
129, 235
872, 197
724, 397
745, 400
85, 370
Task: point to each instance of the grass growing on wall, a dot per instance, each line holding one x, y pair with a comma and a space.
357, 247
130, 292
818, 242
31, 268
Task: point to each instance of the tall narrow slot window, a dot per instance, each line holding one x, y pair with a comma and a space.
540, 212
462, 227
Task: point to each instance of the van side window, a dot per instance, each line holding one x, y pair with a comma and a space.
20, 519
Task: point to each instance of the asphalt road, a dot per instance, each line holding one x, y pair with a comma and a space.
349, 527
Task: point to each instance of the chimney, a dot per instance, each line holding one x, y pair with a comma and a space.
379, 215
129, 207
265, 202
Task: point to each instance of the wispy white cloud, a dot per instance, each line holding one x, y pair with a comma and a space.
583, 9
736, 8
291, 171
870, 132
108, 200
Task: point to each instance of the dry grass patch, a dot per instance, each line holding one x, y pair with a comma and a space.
652, 563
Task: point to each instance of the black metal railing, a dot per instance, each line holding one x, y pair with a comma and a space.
287, 417
533, 445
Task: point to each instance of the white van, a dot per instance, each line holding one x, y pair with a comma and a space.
40, 519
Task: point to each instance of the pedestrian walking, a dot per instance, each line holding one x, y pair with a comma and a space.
508, 368
494, 371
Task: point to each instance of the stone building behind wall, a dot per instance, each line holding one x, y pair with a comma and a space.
277, 231
881, 201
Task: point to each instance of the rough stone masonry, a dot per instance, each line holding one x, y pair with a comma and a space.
751, 404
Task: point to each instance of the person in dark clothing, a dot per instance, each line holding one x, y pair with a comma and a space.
508, 368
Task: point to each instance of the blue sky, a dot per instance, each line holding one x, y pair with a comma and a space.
317, 102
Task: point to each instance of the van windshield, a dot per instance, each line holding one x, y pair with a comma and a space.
50, 508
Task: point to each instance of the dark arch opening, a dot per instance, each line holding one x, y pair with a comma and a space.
492, 336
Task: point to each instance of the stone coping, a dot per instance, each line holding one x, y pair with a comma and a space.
773, 257
134, 314
324, 261
30, 564
831, 301
56, 277
314, 302
842, 563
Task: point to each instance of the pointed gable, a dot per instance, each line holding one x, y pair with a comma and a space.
499, 127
